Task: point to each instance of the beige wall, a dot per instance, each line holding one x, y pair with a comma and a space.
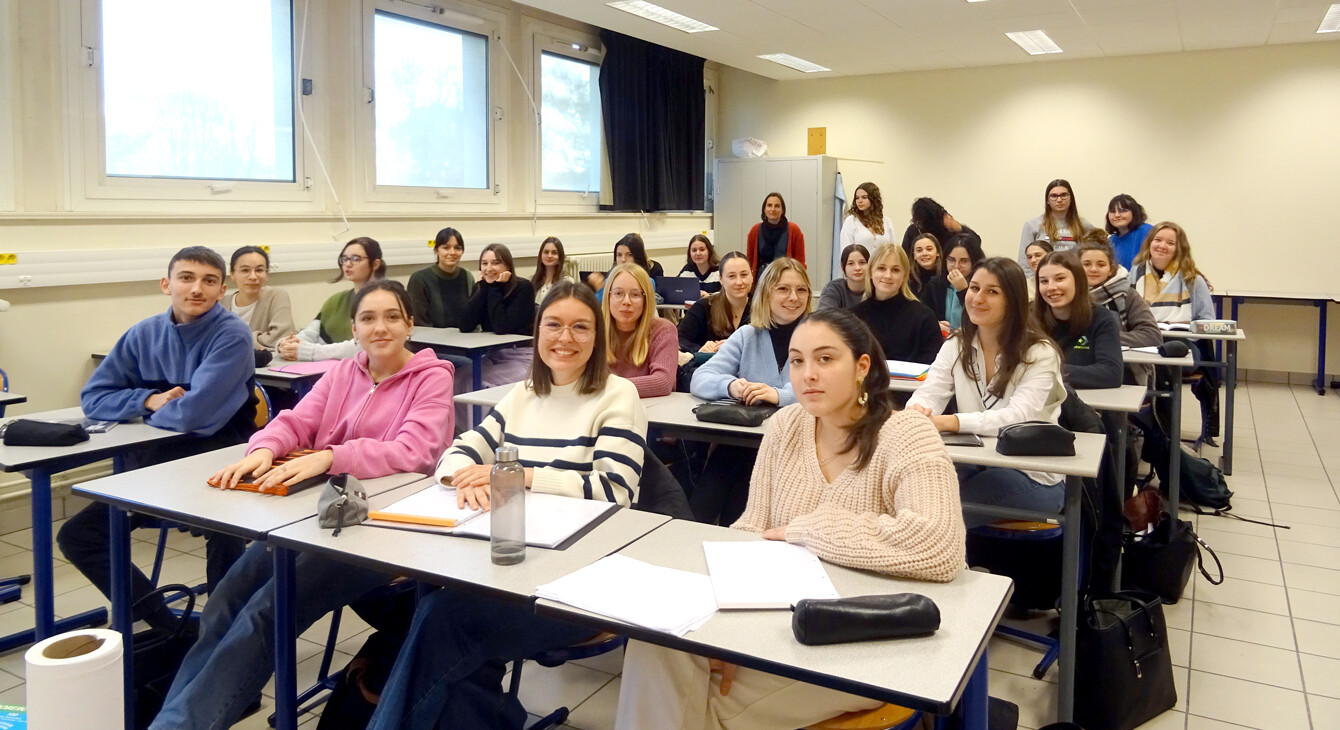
1237, 145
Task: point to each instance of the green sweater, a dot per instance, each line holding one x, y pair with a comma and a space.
336, 323
437, 298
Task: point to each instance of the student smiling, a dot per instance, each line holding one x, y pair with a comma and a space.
266, 310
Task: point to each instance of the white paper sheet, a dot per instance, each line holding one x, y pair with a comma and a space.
663, 599
765, 574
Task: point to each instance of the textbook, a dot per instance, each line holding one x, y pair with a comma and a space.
904, 370
765, 574
280, 489
552, 521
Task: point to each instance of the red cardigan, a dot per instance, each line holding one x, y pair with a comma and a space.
795, 244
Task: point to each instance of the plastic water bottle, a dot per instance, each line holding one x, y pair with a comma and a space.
507, 500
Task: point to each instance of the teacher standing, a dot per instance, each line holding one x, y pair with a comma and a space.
775, 237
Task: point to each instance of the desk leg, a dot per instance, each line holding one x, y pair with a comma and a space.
1320, 383
1175, 442
477, 381
1069, 599
975, 706
1231, 381
119, 529
44, 602
286, 636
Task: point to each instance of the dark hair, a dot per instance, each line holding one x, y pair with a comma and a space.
1072, 219
445, 235
1124, 202
928, 216
763, 211
541, 271
375, 260
863, 435
966, 241
503, 254
635, 247
239, 253
390, 285
917, 271
718, 306
200, 255
712, 258
851, 249
1041, 243
873, 218
1081, 306
597, 370
1092, 243
1019, 331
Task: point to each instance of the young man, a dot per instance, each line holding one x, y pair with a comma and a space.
189, 369
438, 293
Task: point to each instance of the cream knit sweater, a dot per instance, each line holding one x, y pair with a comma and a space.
899, 516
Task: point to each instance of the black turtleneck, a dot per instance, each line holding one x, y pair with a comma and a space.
907, 330
781, 341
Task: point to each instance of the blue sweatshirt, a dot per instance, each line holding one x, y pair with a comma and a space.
1128, 245
209, 358
747, 354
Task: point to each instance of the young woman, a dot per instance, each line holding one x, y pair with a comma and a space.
503, 304
930, 217
590, 425
1060, 222
846, 292
702, 261
549, 267
1110, 288
1033, 253
1089, 336
1002, 369
866, 223
266, 310
775, 237
330, 336
1166, 276
847, 475
640, 346
928, 263
905, 328
439, 292
1128, 227
751, 367
945, 295
630, 249
384, 411
708, 323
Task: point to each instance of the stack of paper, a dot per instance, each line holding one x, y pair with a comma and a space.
638, 593
435, 506
765, 574
1146, 350
904, 370
1174, 326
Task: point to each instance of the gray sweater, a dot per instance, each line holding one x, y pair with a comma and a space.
271, 320
837, 295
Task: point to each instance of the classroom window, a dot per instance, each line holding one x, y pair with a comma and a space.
216, 104
431, 104
570, 114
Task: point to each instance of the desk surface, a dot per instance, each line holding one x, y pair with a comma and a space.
1277, 295
176, 490
99, 445
263, 373
452, 338
1131, 357
463, 560
486, 397
1237, 336
926, 673
9, 399
1126, 399
1088, 456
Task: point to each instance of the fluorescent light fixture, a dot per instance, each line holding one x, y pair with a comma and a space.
976, 1
1035, 42
1330, 23
790, 61
656, 13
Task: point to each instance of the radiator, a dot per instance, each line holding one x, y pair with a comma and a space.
593, 261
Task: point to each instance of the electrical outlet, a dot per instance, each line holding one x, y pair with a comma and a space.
25, 280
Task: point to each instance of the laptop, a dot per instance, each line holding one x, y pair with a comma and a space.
678, 289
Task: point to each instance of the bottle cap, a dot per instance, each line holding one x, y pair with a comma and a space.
505, 453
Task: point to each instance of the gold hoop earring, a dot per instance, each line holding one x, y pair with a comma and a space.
864, 397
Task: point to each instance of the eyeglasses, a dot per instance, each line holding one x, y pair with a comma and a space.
1057, 196
787, 291
632, 295
581, 331
247, 271
355, 260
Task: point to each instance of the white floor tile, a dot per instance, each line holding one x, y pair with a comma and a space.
1036, 700
1315, 637
1312, 535
1314, 606
1243, 594
1286, 514
1241, 660
544, 690
1242, 625
597, 713
1309, 578
1322, 675
1235, 543
1318, 556
1246, 703
1242, 567
1325, 712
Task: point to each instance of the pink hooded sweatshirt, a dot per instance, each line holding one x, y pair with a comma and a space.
397, 426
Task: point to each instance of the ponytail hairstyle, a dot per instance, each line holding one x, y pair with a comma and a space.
1019, 332
375, 260
1081, 307
864, 434
873, 218
1072, 220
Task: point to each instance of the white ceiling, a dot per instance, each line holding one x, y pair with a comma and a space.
855, 37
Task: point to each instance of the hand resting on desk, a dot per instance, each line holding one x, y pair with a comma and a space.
158, 400
472, 485
259, 463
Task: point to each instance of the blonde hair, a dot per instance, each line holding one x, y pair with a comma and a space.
639, 342
889, 250
760, 313
1182, 263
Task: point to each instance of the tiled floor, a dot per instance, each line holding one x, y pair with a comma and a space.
1261, 651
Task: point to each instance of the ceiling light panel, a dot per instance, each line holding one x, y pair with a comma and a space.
798, 64
1035, 42
1330, 23
658, 14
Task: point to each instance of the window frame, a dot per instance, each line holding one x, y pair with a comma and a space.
9, 129
558, 41
455, 16
91, 188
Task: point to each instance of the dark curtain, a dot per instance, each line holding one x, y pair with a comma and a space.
652, 104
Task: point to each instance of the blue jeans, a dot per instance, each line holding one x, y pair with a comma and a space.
1000, 487
232, 660
449, 673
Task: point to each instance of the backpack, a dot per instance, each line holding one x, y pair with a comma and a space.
1200, 482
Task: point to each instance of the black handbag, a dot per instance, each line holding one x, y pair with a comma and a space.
1161, 561
27, 432
733, 413
1035, 438
863, 618
159, 652
1124, 670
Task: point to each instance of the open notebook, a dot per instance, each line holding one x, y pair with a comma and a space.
551, 520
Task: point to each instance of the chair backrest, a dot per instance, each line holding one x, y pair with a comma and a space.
660, 492
4, 381
264, 409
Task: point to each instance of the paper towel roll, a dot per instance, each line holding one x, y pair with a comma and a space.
74, 680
